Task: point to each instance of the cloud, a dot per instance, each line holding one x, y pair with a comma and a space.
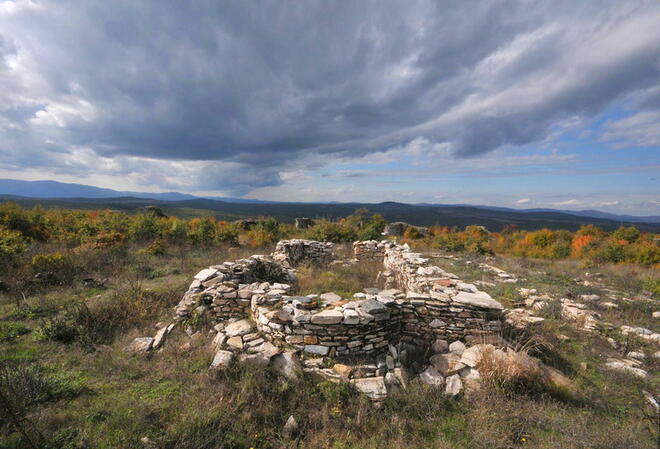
569, 203
233, 96
523, 201
640, 129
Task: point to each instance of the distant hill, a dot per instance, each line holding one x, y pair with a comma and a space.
586, 213
422, 215
55, 189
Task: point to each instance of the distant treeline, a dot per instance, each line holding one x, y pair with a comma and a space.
89, 230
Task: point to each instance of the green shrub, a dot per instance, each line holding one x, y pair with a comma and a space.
9, 331
73, 322
26, 385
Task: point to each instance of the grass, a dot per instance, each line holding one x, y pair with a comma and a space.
89, 393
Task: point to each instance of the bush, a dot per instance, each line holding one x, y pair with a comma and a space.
68, 325
25, 386
227, 233
9, 331
12, 243
55, 262
156, 248
144, 227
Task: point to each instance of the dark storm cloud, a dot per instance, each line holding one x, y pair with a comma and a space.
263, 84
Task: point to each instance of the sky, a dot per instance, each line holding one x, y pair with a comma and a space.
516, 103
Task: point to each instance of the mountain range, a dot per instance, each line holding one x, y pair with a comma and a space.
57, 194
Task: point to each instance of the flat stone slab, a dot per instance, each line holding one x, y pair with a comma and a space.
327, 317
479, 299
206, 274
371, 306
316, 349
237, 328
330, 297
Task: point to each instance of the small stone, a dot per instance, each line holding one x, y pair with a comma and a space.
316, 349
330, 298
159, 339
436, 323
636, 355
431, 376
470, 373
290, 428
457, 347
447, 364
351, 317
454, 385
343, 370
219, 339
440, 346
472, 355
625, 366
235, 342
222, 360
389, 362
656, 314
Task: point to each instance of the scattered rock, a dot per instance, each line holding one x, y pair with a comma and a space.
431, 376
330, 298
447, 364
222, 360
457, 347
440, 346
627, 366
140, 345
373, 387
472, 355
287, 365
290, 429
453, 385
343, 370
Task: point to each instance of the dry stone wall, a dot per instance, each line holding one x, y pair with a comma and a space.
427, 303
291, 253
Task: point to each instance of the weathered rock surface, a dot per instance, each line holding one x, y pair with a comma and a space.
373, 387
140, 345
222, 360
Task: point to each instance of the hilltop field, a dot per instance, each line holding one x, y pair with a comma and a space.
77, 287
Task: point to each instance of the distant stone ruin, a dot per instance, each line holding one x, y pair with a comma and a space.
304, 223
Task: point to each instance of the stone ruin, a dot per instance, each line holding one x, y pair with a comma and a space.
380, 336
